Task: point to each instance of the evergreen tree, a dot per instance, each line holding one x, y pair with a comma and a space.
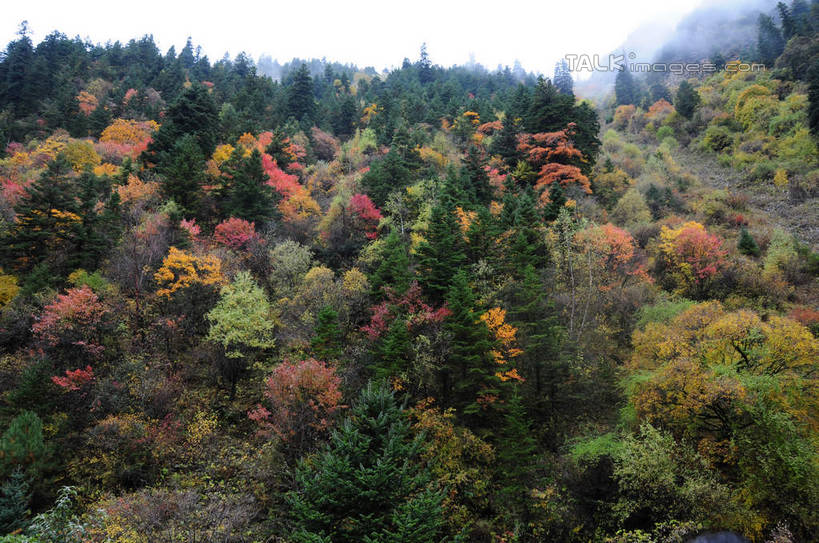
185, 174
98, 230
625, 87
557, 199
563, 78
368, 484
770, 43
14, 500
195, 113
687, 100
747, 244
393, 350
300, 99
505, 143
46, 221
813, 98
549, 110
469, 375
517, 450
587, 128
393, 269
441, 253
540, 336
22, 445
425, 74
789, 23
327, 341
245, 192
477, 180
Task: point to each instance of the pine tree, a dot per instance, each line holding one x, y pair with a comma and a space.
368, 483
563, 78
770, 43
813, 98
425, 74
469, 374
46, 221
540, 336
549, 110
244, 192
441, 253
393, 350
393, 269
517, 450
185, 174
687, 100
557, 200
195, 113
747, 244
14, 500
300, 99
22, 445
477, 180
327, 341
505, 143
625, 88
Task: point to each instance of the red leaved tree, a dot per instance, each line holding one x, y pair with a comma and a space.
303, 398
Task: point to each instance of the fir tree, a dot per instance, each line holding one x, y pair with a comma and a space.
14, 500
441, 253
474, 173
687, 100
245, 192
747, 244
368, 483
469, 376
549, 110
300, 99
327, 341
393, 267
563, 78
505, 143
625, 88
185, 174
770, 43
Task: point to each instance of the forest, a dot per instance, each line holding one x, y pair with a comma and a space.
247, 302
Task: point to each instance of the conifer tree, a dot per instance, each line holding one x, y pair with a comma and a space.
747, 244
368, 484
300, 99
327, 340
245, 193
14, 500
477, 180
441, 253
770, 43
625, 88
687, 100
393, 269
185, 174
469, 375
563, 78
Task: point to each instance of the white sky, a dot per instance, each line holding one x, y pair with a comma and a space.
365, 32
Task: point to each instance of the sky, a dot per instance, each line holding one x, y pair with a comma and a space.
366, 33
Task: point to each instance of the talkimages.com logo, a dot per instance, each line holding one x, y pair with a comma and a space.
615, 63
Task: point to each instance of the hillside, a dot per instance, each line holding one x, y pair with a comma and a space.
309, 302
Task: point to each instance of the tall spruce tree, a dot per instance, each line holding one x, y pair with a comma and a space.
469, 375
184, 174
368, 484
687, 100
244, 192
441, 253
301, 102
625, 87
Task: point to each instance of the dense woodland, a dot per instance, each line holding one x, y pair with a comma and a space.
425, 305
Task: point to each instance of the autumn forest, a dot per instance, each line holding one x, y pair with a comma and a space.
431, 304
